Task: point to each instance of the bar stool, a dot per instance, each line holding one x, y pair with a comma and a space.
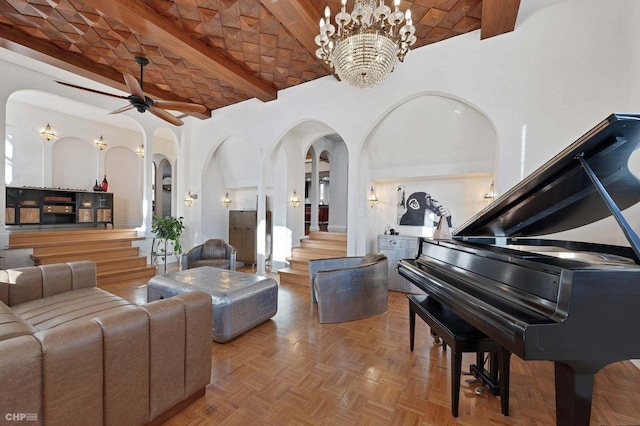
463, 337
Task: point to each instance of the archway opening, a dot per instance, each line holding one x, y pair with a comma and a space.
317, 194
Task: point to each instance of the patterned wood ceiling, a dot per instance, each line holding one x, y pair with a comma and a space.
212, 52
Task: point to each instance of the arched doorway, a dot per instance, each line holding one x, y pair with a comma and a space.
163, 179
316, 191
326, 204
447, 151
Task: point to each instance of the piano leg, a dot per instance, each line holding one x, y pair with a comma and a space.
574, 389
412, 328
505, 366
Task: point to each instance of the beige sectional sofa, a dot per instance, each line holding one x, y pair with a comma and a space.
74, 354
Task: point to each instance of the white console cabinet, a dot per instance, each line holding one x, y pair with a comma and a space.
397, 247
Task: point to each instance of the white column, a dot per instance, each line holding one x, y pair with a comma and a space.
314, 190
4, 235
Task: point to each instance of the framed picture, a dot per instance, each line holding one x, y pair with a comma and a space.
419, 208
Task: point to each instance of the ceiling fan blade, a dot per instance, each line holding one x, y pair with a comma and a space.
133, 85
91, 90
165, 116
123, 109
180, 106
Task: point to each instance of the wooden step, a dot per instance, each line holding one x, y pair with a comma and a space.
331, 236
323, 245
81, 246
95, 255
318, 245
120, 275
121, 263
299, 264
293, 276
116, 259
42, 238
308, 254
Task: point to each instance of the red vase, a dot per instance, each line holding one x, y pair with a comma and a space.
97, 187
105, 184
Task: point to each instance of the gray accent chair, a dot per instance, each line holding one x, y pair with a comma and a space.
349, 288
215, 252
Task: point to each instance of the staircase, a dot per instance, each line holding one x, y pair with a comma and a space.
111, 249
319, 245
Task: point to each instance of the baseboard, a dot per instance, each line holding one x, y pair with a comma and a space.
277, 264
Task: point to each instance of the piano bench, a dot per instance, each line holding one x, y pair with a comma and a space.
462, 337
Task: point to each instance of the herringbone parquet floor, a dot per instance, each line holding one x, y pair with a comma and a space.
292, 370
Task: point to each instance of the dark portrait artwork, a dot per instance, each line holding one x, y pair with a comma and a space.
423, 210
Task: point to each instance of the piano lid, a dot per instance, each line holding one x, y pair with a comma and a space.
560, 195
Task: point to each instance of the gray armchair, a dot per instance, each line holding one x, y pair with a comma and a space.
349, 288
216, 253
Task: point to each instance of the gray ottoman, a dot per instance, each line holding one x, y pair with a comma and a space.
240, 301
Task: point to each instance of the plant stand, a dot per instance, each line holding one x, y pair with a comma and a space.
160, 249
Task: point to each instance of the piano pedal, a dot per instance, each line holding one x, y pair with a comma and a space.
471, 381
480, 389
437, 341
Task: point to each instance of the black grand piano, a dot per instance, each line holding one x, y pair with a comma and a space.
574, 303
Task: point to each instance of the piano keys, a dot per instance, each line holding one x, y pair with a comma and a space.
574, 303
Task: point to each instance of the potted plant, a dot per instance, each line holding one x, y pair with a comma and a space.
167, 229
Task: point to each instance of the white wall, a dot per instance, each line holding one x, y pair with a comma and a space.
431, 135
215, 223
540, 87
562, 70
71, 160
74, 164
24, 157
123, 169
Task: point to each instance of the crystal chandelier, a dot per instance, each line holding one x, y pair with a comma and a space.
367, 43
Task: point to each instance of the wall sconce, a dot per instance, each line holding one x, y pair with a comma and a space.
101, 144
491, 195
373, 200
294, 201
140, 151
48, 133
188, 199
226, 201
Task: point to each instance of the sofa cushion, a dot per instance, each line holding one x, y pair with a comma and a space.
214, 249
125, 339
21, 285
12, 325
72, 374
21, 378
64, 307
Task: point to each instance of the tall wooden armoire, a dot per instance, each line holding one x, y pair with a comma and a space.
243, 226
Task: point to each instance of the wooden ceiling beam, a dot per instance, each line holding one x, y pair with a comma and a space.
145, 21
299, 18
48, 53
498, 17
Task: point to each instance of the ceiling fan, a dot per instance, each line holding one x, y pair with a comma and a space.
138, 100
